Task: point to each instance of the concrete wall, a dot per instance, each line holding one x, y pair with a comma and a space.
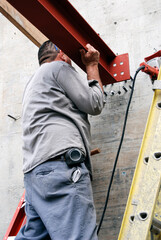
17, 62
126, 26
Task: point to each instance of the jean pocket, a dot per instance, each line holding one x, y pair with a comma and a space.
52, 183
44, 172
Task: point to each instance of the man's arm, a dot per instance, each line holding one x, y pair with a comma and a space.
91, 59
87, 96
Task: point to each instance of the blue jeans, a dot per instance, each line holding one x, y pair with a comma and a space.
59, 206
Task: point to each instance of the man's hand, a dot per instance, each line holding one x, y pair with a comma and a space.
91, 60
91, 57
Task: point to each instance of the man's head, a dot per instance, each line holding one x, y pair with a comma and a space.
49, 52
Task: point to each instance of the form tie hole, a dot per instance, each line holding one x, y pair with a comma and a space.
159, 105
146, 160
143, 216
157, 155
132, 218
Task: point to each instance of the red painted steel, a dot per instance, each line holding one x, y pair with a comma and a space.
63, 25
157, 54
151, 71
18, 220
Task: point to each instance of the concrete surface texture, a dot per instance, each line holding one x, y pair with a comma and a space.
126, 26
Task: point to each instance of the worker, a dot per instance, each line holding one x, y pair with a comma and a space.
56, 146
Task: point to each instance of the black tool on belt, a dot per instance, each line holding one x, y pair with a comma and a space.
74, 156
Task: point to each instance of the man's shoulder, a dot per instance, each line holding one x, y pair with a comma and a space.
55, 64
55, 67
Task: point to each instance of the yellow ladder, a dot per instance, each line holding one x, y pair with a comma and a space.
143, 210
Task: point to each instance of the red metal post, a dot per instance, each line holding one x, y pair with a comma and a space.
18, 220
62, 24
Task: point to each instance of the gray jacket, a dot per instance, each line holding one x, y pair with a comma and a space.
55, 107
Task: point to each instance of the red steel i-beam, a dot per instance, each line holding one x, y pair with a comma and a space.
59, 21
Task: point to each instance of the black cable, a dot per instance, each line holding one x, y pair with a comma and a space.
152, 236
119, 148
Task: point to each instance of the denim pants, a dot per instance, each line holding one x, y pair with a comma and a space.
59, 204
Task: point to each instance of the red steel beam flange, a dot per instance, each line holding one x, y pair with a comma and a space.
62, 24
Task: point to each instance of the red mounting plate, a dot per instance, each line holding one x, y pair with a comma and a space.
119, 67
61, 23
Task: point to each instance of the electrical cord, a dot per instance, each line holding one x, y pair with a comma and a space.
119, 148
152, 236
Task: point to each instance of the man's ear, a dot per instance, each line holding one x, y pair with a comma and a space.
62, 55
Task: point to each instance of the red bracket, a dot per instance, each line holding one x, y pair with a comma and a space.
157, 54
61, 23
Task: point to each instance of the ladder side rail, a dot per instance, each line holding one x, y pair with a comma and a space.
146, 181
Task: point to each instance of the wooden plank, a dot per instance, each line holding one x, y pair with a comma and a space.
28, 29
